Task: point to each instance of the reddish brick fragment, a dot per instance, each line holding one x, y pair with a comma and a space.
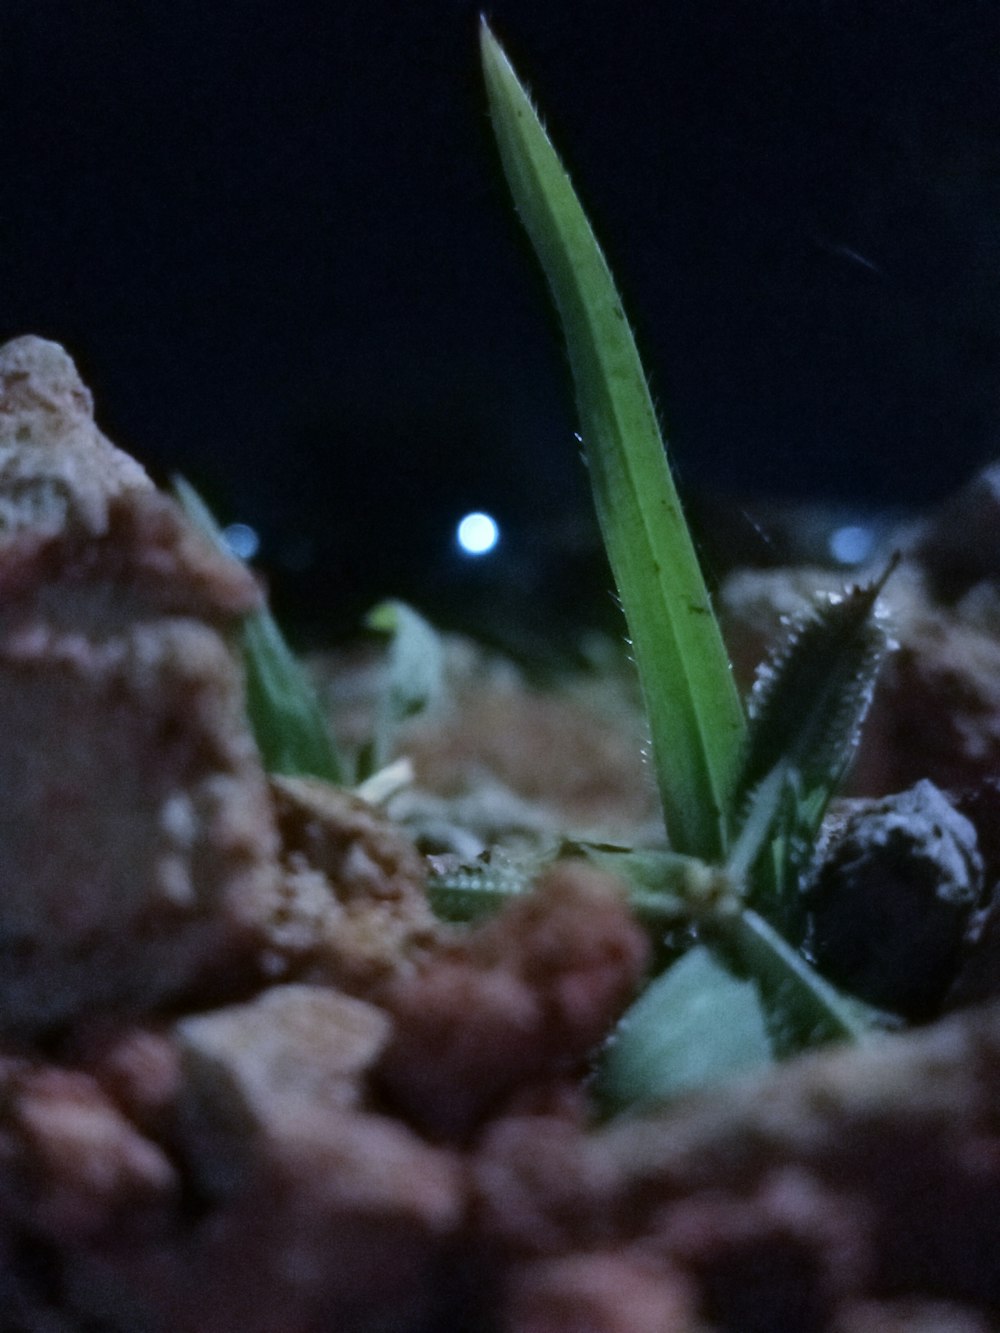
514, 1002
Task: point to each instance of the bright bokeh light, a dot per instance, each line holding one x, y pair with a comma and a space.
852, 544
242, 540
477, 534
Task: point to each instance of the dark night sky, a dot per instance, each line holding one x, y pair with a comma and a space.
274, 235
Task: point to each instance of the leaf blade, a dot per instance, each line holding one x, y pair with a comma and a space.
285, 714
807, 708
696, 1025
414, 674
694, 711
803, 1009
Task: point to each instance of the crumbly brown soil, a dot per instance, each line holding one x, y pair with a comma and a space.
248, 1082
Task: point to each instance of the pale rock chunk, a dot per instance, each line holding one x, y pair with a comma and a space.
138, 854
56, 468
250, 1071
354, 909
318, 1213
348, 1221
615, 1292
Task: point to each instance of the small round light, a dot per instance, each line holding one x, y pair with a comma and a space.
851, 544
477, 534
242, 540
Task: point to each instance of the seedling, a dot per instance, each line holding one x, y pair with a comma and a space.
742, 804
743, 794
286, 716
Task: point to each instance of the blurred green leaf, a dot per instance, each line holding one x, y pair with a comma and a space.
471, 892
664, 887
696, 1025
414, 676
285, 714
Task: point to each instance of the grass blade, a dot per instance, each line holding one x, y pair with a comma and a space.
803, 1010
694, 712
285, 714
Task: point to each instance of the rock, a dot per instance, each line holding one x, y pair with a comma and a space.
978, 975
936, 708
344, 1222
959, 544
249, 1071
353, 908
784, 1256
519, 1000
312, 1211
911, 1316
890, 904
73, 1167
140, 1069
56, 468
607, 1292
137, 843
557, 759
936, 712
862, 1171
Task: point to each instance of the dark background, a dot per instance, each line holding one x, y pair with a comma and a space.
274, 235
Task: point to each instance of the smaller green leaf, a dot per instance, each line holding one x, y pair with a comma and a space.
801, 1009
810, 698
471, 892
696, 1025
806, 711
285, 714
414, 678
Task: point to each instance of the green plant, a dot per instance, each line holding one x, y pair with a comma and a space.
742, 803
285, 715
743, 794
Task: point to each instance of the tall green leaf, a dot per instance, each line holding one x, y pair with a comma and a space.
694, 712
